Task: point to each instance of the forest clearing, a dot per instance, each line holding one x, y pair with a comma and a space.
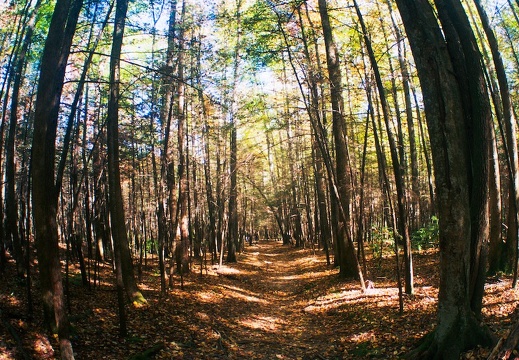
276, 302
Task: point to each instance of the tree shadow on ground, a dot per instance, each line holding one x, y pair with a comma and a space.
276, 302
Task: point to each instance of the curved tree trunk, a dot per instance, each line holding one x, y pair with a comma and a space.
45, 198
458, 117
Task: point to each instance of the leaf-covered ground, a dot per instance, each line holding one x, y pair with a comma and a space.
277, 302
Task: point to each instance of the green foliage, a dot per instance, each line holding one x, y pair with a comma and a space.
426, 237
262, 37
382, 241
152, 246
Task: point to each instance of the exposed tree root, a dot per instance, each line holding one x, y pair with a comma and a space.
449, 343
505, 347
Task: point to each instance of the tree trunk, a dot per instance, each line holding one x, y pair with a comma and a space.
348, 260
45, 199
166, 114
182, 248
11, 213
455, 101
314, 114
495, 251
402, 226
232, 235
414, 205
115, 198
510, 130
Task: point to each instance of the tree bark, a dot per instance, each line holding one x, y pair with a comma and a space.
458, 118
45, 199
182, 249
349, 265
402, 225
232, 235
117, 217
11, 213
510, 130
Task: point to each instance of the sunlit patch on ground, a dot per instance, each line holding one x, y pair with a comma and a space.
265, 323
276, 302
364, 336
43, 347
227, 270
208, 296
239, 293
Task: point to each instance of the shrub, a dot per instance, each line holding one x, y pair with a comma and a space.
426, 237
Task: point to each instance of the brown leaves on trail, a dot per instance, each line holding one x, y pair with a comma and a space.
275, 303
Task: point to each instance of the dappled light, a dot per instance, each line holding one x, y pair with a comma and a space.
242, 294
264, 323
297, 309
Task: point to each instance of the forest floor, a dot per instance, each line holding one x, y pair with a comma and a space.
276, 302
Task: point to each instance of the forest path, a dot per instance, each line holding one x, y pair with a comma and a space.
275, 284
276, 302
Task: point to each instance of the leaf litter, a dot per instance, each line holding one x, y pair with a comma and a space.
276, 302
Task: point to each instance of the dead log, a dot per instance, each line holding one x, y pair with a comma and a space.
505, 348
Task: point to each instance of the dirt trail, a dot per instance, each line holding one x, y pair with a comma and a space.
278, 283
276, 302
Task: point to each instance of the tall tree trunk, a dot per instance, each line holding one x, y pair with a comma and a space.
167, 179
182, 249
414, 205
348, 259
510, 126
232, 235
496, 247
11, 213
158, 178
45, 199
117, 217
211, 206
315, 118
424, 143
458, 117
87, 204
403, 227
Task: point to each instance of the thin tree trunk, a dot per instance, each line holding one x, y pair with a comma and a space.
11, 214
510, 127
232, 235
397, 170
314, 114
118, 225
182, 250
414, 206
428, 162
